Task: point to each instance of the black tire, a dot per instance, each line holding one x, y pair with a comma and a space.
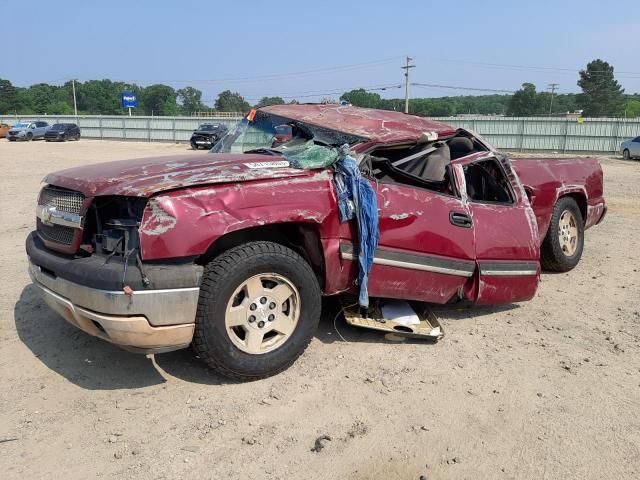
194, 146
29, 136
46, 140
626, 154
222, 276
552, 256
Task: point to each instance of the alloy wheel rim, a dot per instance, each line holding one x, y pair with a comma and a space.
568, 233
262, 313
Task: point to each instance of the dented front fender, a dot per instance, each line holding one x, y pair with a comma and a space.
187, 222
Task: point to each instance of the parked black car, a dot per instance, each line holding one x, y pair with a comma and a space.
207, 134
63, 132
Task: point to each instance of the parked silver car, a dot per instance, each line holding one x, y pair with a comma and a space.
27, 131
630, 148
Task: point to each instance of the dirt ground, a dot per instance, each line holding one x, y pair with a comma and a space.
549, 389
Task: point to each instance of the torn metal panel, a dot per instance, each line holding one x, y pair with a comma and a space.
429, 327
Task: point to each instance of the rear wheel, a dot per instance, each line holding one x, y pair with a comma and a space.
562, 247
258, 309
626, 154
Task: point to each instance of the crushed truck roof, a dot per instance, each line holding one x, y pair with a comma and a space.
380, 126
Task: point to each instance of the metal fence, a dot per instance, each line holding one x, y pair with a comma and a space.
598, 135
526, 134
118, 127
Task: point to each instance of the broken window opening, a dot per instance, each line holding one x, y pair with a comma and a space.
487, 182
422, 164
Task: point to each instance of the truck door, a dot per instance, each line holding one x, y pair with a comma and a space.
426, 250
506, 232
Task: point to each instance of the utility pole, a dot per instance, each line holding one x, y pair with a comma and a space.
75, 105
553, 87
406, 83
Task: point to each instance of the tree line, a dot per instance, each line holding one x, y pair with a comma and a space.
601, 95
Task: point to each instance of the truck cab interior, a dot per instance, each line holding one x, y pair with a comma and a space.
427, 164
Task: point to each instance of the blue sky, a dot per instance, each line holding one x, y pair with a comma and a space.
308, 50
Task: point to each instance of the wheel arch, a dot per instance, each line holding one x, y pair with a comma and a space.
580, 198
301, 237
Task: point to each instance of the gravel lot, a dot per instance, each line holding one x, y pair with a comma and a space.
549, 389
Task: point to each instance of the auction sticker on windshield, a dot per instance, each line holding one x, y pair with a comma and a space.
280, 164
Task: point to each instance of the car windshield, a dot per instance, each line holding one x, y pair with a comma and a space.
303, 145
207, 127
21, 125
58, 126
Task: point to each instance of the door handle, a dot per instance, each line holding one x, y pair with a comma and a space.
460, 219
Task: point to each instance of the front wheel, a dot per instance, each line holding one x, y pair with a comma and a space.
562, 247
29, 137
626, 154
258, 309
194, 146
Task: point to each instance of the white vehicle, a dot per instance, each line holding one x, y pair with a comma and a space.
27, 131
630, 148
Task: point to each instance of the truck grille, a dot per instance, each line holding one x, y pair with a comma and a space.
56, 233
64, 200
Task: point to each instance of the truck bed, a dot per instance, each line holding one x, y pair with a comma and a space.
547, 179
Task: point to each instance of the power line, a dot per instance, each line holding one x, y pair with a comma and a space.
473, 89
538, 68
282, 76
373, 88
319, 93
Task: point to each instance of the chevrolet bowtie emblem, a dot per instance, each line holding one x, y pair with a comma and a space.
50, 215
47, 213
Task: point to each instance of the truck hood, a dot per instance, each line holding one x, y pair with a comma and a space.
147, 176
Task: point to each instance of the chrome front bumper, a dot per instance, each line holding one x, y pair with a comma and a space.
147, 321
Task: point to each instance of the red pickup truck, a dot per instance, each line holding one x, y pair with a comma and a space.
231, 252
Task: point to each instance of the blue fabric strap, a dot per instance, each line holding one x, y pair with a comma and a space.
356, 198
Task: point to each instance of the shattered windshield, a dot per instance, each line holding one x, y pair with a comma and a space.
303, 145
